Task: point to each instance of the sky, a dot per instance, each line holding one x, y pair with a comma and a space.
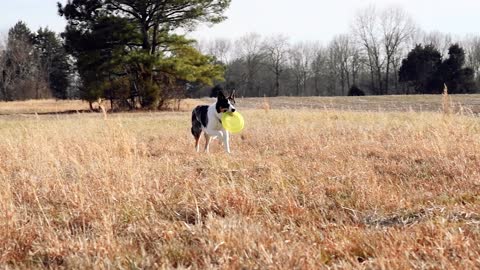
301, 20
35, 13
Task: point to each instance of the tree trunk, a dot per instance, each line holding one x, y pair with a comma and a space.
277, 83
379, 80
387, 75
304, 79
146, 46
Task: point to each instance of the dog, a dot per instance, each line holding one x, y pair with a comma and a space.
208, 119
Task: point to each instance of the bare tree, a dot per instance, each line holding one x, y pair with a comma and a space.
319, 70
276, 52
201, 45
221, 48
356, 63
397, 28
300, 58
7, 77
249, 49
22, 76
472, 50
439, 40
366, 29
346, 60
339, 60
332, 73
396, 63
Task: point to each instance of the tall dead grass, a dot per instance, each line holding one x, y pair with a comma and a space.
446, 103
304, 189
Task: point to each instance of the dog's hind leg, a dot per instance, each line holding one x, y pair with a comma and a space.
196, 130
197, 143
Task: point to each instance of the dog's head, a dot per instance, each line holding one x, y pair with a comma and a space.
225, 104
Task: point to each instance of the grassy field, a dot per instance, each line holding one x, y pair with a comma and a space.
312, 187
417, 103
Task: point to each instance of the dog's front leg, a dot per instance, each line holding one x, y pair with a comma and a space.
226, 141
207, 142
223, 135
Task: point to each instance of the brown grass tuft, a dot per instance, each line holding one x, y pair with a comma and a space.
266, 104
446, 102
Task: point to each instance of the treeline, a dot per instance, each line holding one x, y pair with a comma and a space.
34, 65
131, 53
384, 53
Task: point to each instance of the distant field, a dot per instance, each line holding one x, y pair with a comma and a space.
313, 183
42, 106
418, 103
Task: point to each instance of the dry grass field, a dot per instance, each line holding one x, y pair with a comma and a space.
307, 187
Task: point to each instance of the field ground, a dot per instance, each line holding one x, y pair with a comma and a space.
417, 103
332, 183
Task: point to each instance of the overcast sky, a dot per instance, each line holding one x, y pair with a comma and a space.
301, 20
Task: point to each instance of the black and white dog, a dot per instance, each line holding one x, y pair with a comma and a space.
208, 119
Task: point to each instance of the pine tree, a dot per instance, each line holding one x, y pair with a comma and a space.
420, 67
427, 73
53, 61
133, 40
452, 72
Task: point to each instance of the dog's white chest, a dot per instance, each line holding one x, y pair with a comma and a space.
218, 124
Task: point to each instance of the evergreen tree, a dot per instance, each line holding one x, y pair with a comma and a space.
355, 91
19, 32
53, 61
133, 41
452, 72
420, 68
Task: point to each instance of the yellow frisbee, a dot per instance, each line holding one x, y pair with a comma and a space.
233, 122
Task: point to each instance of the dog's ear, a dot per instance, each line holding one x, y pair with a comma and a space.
221, 95
232, 95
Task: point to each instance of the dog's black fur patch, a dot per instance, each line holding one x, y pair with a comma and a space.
199, 119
